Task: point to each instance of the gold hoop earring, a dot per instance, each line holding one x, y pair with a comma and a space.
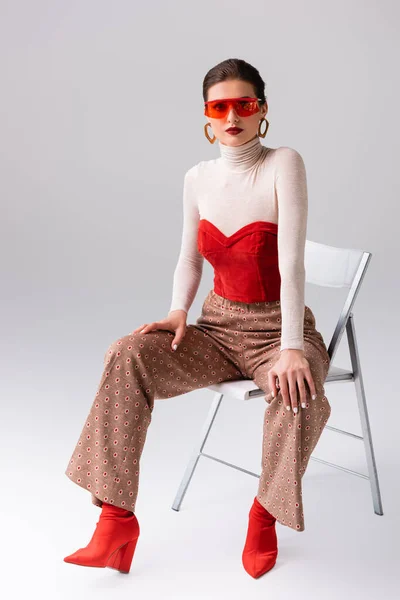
211, 140
266, 128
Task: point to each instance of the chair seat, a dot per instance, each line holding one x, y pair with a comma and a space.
331, 267
246, 389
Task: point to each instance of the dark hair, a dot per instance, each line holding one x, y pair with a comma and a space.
234, 68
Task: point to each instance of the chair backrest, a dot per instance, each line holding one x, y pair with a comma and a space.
329, 266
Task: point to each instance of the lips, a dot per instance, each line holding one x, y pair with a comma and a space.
234, 129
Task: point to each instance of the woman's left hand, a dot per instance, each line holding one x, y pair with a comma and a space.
291, 368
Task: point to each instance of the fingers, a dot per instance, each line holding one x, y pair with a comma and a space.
146, 327
311, 384
306, 376
287, 391
272, 379
302, 391
292, 387
268, 398
179, 334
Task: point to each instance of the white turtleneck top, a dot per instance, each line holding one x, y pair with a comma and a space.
248, 183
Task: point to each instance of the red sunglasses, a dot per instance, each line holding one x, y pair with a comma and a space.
218, 109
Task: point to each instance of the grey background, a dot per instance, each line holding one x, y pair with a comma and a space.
101, 115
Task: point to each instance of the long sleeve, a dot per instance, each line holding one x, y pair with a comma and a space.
291, 190
189, 268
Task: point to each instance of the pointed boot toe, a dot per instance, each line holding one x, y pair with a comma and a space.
261, 547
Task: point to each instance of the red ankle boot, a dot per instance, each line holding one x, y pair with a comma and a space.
261, 547
113, 542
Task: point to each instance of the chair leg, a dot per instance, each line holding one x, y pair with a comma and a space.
197, 451
362, 407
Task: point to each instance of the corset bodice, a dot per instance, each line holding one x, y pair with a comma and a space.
245, 263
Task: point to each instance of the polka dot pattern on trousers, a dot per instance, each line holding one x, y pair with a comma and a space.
229, 341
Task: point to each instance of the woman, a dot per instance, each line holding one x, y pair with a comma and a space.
246, 213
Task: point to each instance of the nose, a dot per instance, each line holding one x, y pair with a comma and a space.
232, 114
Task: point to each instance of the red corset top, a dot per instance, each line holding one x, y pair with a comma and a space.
245, 263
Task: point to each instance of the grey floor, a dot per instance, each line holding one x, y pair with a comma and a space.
195, 553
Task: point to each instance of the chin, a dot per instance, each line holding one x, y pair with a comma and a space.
236, 140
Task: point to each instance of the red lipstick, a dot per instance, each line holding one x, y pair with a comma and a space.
234, 130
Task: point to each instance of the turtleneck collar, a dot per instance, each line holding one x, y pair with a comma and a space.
241, 158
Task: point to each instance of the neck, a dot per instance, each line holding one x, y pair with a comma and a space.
243, 157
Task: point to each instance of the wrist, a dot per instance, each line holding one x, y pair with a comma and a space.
178, 310
291, 350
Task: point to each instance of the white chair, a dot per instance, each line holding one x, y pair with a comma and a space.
329, 267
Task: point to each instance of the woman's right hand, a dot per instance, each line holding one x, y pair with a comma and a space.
175, 322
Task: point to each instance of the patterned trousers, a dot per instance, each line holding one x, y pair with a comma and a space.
231, 340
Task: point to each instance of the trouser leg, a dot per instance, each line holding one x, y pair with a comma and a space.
288, 438
139, 368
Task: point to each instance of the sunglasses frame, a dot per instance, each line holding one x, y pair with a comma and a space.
237, 99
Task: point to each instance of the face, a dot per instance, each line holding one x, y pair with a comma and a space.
249, 124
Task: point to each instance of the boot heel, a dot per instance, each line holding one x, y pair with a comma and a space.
121, 559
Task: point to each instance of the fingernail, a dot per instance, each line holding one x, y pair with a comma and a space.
295, 409
288, 408
175, 346
314, 397
303, 405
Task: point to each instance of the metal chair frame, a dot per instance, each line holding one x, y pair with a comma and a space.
325, 266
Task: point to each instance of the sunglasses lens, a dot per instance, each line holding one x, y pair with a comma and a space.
246, 107
219, 109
